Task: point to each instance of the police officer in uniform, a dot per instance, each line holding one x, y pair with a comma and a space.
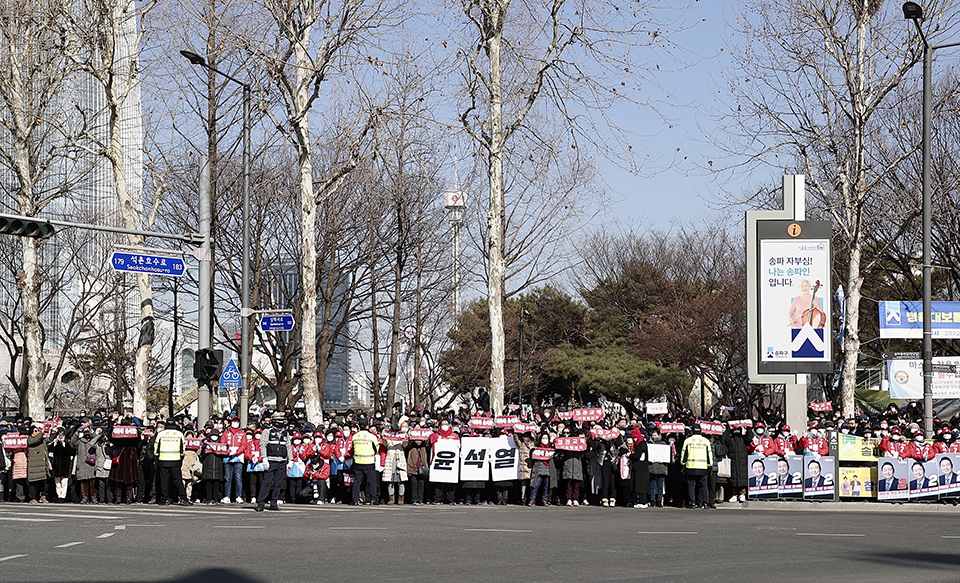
274, 451
365, 448
168, 448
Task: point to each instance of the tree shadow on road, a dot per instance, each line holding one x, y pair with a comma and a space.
918, 559
201, 576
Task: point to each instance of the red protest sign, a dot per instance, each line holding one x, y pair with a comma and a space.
217, 448
419, 434
711, 428
590, 414
192, 444
740, 423
542, 453
524, 428
565, 415
671, 428
13, 441
828, 406
124, 431
47, 427
504, 421
571, 443
482, 423
605, 434
395, 435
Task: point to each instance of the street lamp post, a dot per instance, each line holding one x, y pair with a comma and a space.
245, 311
913, 11
520, 365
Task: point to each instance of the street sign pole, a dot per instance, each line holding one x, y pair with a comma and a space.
204, 291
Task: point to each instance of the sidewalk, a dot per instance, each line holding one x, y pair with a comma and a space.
862, 506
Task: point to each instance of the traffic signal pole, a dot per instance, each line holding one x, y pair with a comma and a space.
204, 294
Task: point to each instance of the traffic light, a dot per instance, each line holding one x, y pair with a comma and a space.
208, 365
24, 227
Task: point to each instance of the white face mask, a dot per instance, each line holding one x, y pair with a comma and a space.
919, 439
308, 440
544, 441
444, 427
947, 436
346, 433
256, 435
845, 431
329, 439
235, 424
296, 442
672, 440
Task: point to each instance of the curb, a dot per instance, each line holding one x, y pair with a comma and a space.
800, 506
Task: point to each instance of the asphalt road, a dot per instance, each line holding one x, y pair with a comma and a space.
468, 543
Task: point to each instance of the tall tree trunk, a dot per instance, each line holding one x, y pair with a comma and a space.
397, 303
374, 325
496, 216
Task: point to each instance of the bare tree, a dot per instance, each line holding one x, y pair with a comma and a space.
812, 82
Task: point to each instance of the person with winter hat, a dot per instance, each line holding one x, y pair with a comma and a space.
540, 473
893, 445
696, 458
274, 451
443, 492
946, 442
296, 465
813, 443
918, 449
254, 465
213, 468
235, 439
762, 444
785, 443
365, 447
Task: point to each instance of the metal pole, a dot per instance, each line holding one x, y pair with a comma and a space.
245, 344
173, 348
520, 366
927, 285
205, 303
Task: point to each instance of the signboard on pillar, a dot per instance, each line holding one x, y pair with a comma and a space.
793, 297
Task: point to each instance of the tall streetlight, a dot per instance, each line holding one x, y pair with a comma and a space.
245, 311
913, 11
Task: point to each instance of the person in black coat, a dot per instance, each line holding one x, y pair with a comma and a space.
640, 475
213, 470
736, 442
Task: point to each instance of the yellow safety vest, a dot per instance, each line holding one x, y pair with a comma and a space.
169, 445
365, 447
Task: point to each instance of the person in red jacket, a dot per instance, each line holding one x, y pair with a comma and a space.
236, 439
315, 477
948, 444
786, 443
893, 444
762, 444
298, 459
814, 443
918, 449
443, 492
254, 465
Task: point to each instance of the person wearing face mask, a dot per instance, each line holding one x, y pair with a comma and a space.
395, 464
169, 448
540, 471
236, 439
212, 476
365, 447
762, 444
893, 445
296, 466
274, 451
814, 443
418, 468
946, 442
341, 465
254, 467
786, 442
443, 492
918, 449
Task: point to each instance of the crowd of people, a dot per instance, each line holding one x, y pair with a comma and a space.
355, 458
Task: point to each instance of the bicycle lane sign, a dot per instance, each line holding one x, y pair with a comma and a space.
230, 378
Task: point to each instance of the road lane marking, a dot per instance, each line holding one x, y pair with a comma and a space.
358, 528
11, 518
11, 557
828, 534
494, 530
67, 515
949, 536
236, 526
120, 527
107, 535
669, 532
68, 545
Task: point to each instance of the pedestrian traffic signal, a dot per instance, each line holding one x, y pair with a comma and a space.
208, 365
23, 227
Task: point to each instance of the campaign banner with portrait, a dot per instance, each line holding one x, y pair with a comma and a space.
445, 467
763, 477
906, 379
924, 482
905, 319
858, 482
790, 476
794, 297
819, 477
949, 479
858, 449
505, 460
892, 479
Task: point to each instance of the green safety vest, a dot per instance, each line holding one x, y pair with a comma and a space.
169, 445
365, 447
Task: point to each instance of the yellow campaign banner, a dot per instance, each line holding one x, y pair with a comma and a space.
858, 449
858, 482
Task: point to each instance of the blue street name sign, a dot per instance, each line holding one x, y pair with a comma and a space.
147, 263
230, 377
276, 323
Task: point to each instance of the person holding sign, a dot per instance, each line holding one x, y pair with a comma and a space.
443, 491
762, 444
125, 470
919, 449
38, 465
540, 459
213, 469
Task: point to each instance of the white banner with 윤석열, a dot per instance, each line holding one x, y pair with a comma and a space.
475, 459
445, 467
506, 459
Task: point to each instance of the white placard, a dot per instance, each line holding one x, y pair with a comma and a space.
657, 408
658, 453
445, 467
475, 453
505, 460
